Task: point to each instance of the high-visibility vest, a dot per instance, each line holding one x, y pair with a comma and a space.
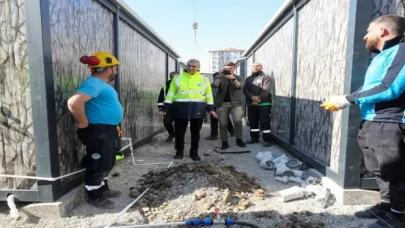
190, 88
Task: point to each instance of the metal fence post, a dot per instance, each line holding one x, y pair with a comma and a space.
42, 97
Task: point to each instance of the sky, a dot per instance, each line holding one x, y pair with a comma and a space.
221, 23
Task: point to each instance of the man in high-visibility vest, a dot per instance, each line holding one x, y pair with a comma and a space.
189, 96
168, 118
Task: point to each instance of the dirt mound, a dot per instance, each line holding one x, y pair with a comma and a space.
213, 175
195, 190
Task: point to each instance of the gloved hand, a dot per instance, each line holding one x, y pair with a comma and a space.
335, 103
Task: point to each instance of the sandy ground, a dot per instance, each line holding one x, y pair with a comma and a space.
270, 212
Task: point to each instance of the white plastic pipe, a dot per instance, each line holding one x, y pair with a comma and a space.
291, 193
42, 178
282, 179
171, 163
295, 180
266, 163
282, 157
125, 209
279, 170
297, 173
294, 164
288, 173
259, 156
12, 206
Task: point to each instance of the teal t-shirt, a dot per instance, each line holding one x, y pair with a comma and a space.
104, 107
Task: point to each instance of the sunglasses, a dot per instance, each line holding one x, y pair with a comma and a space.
192, 66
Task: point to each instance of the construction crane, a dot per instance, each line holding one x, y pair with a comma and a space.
196, 51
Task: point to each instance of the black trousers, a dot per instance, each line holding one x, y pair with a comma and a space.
100, 142
181, 128
383, 148
214, 126
168, 120
259, 116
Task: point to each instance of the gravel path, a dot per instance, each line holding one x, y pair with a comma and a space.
270, 212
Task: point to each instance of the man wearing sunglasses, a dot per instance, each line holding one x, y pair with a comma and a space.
189, 97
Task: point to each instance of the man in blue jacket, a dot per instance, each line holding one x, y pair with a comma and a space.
382, 131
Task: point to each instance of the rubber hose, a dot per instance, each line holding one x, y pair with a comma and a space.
245, 224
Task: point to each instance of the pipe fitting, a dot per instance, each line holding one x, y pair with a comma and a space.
282, 179
279, 170
282, 157
266, 163
12, 206
295, 180
293, 164
291, 193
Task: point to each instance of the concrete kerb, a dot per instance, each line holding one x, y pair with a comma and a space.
347, 196
57, 209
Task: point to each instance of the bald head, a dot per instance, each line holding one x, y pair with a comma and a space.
257, 67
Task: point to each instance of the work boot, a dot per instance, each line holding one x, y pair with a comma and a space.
379, 210
240, 143
170, 138
109, 193
225, 145
179, 154
390, 220
253, 141
194, 155
211, 137
102, 203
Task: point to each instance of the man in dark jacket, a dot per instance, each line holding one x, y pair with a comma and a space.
168, 119
382, 132
228, 100
214, 121
257, 90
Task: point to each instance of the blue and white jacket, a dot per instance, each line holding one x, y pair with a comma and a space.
382, 97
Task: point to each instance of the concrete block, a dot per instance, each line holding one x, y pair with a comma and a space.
351, 196
57, 209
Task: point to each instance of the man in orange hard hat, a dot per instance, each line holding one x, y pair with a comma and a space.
98, 111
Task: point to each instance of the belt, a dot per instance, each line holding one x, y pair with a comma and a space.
106, 127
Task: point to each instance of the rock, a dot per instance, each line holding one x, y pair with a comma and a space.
259, 193
227, 197
235, 210
200, 194
239, 195
207, 206
244, 203
165, 204
195, 198
189, 168
177, 216
145, 209
242, 208
134, 193
115, 174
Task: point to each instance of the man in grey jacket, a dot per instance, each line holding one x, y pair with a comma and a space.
228, 99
